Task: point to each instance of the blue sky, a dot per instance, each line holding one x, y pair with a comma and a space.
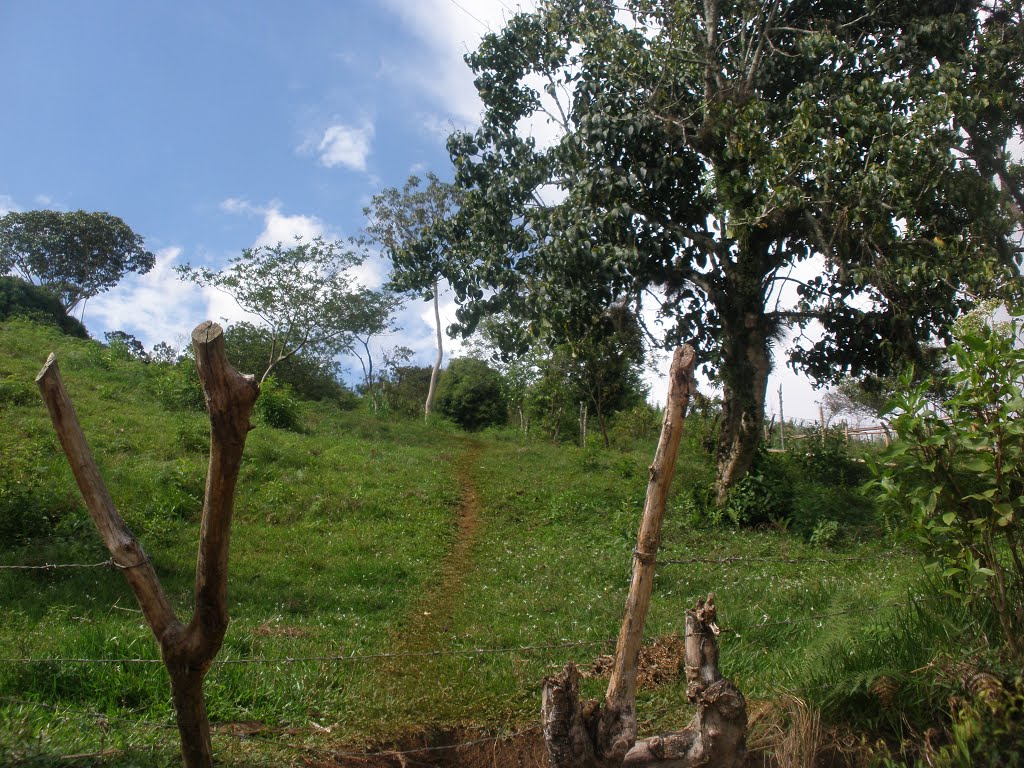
210, 127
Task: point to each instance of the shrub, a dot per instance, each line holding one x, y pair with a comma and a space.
277, 406
19, 298
471, 394
311, 377
177, 387
956, 473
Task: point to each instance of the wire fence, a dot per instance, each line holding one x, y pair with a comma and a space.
351, 658
267, 732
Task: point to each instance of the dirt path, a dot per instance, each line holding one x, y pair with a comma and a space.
433, 612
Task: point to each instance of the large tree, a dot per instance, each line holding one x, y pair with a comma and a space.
304, 294
411, 226
73, 254
710, 154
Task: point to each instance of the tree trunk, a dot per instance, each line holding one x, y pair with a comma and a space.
587, 735
190, 708
746, 364
187, 650
435, 372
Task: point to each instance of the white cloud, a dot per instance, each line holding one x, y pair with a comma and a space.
155, 307
346, 145
278, 227
7, 205
282, 228
449, 32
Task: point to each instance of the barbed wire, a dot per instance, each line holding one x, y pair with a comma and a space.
55, 566
734, 559
108, 563
353, 658
69, 713
334, 657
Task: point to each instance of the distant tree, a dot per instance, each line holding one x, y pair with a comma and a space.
602, 368
163, 352
310, 374
377, 379
73, 254
375, 319
405, 386
19, 298
303, 294
471, 395
131, 345
410, 225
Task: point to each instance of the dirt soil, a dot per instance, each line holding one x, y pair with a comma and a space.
430, 617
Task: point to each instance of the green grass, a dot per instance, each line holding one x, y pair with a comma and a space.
339, 548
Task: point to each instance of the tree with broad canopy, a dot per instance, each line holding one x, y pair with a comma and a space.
751, 167
73, 254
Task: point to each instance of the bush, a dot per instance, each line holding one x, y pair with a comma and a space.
277, 406
309, 376
956, 473
471, 395
178, 388
639, 423
19, 298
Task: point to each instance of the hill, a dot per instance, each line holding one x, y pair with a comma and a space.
395, 582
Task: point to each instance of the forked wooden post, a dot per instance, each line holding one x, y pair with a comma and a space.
589, 735
187, 650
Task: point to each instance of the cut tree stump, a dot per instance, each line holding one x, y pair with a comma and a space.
591, 735
187, 649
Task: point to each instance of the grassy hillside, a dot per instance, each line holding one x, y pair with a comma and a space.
371, 561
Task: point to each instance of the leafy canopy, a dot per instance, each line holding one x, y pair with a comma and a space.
708, 150
409, 225
73, 254
304, 294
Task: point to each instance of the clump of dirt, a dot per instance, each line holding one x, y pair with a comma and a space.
661, 662
457, 748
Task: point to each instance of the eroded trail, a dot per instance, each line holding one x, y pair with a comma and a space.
431, 615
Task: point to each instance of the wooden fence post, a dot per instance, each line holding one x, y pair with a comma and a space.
187, 650
589, 735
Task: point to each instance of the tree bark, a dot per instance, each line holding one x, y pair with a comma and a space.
589, 735
716, 736
435, 372
187, 650
745, 367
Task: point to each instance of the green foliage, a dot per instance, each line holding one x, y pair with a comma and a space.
126, 345
75, 255
311, 376
410, 225
31, 506
957, 473
405, 389
277, 406
177, 386
987, 731
638, 424
303, 294
792, 136
471, 395
19, 298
